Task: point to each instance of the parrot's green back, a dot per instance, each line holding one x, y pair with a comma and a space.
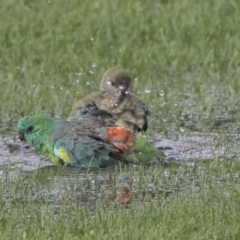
143, 152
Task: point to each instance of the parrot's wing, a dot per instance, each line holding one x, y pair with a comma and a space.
86, 153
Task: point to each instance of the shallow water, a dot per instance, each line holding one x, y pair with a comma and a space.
196, 146
187, 148
80, 188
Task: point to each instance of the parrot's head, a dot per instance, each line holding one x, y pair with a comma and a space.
116, 83
35, 129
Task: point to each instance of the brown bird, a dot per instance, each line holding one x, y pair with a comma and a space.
116, 98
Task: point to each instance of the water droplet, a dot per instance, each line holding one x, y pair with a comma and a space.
94, 65
111, 47
175, 104
17, 67
182, 129
67, 92
91, 72
120, 50
135, 79
77, 81
147, 91
161, 93
79, 74
88, 83
61, 87
91, 38
52, 87
77, 92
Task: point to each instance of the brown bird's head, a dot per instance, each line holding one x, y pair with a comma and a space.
115, 84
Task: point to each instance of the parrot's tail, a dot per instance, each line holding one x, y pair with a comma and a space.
121, 137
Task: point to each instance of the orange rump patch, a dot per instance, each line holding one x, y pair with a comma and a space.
121, 137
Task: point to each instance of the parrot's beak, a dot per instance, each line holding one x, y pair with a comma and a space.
21, 136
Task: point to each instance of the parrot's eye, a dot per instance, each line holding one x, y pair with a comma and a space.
30, 128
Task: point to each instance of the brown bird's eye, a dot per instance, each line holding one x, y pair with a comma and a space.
113, 83
30, 128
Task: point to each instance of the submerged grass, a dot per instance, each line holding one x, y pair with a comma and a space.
184, 60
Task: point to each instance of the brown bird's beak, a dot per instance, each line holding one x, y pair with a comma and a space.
21, 136
123, 88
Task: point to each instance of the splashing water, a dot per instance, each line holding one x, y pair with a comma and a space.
161, 93
147, 91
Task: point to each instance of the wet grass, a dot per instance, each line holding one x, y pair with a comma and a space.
199, 202
184, 60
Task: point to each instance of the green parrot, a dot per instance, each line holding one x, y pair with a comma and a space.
116, 98
84, 142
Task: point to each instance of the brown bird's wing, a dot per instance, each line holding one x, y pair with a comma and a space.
130, 112
147, 112
86, 105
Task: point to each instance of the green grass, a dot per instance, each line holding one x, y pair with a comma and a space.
184, 49
184, 59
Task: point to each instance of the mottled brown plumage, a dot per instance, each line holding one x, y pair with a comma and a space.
116, 98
